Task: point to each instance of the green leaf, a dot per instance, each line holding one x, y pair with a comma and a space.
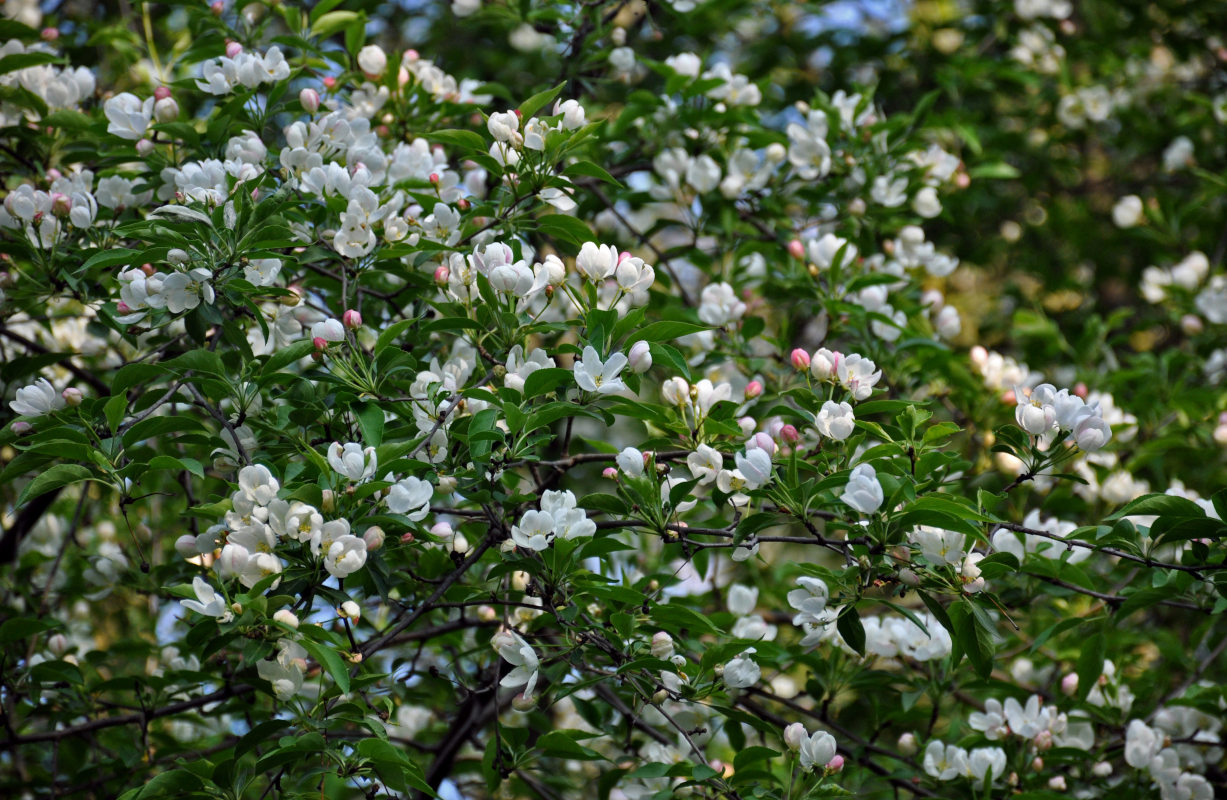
1090, 662
56, 477
998, 170
569, 229
665, 330
589, 170
370, 420
329, 661
561, 745
287, 356
458, 138
25, 60
394, 766
538, 101
333, 22
545, 380
19, 628
850, 627
1160, 505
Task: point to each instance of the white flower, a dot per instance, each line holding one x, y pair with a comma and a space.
519, 367
514, 650
208, 602
863, 492
593, 375
596, 262
741, 672
857, 374
346, 555
705, 463
945, 762
1142, 744
257, 486
755, 467
630, 461
286, 680
37, 399
372, 60
817, 749
825, 253
410, 496
985, 761
1128, 211
128, 115
719, 305
835, 420
352, 461
687, 64
535, 530
991, 721
503, 126
926, 204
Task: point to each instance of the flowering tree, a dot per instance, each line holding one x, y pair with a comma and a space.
613, 399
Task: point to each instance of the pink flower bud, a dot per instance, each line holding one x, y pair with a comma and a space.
50, 34
217, 7
753, 389
351, 319
441, 275
72, 396
962, 180
794, 734
462, 204
309, 99
144, 147
1037, 764
330, 82
796, 249
1191, 324
61, 204
161, 93
835, 764
1069, 684
373, 536
1081, 390
320, 344
1009, 398
762, 441
800, 359
610, 472
21, 426
788, 433
233, 49
406, 538
123, 307
409, 56
434, 178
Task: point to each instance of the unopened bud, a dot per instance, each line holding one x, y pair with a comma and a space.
61, 204
351, 319
351, 610
144, 147
320, 344
217, 7
185, 546
1102, 769
373, 536
610, 472
1057, 783
800, 359
434, 178
753, 389
662, 645
908, 577
857, 207
72, 396
661, 696
21, 426
233, 49
794, 735
161, 93
1069, 684
523, 704
1037, 764
50, 34
166, 110
835, 764
237, 608
328, 502
286, 617
788, 433
441, 276
907, 744
58, 644
309, 99
330, 82
1191, 324
796, 249
640, 357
